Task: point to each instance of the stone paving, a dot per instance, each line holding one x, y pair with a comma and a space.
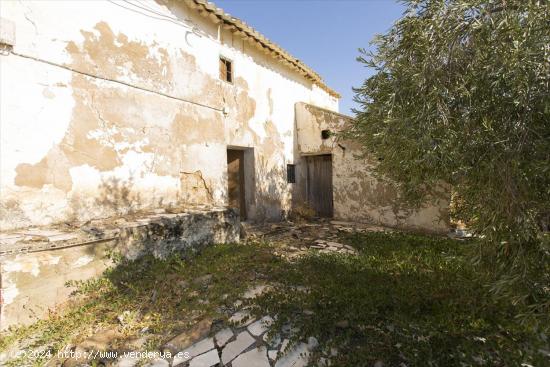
243, 342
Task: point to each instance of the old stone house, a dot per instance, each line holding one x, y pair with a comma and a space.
158, 108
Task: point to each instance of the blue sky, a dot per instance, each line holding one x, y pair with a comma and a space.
325, 34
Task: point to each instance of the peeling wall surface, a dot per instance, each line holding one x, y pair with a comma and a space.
111, 111
33, 284
359, 195
36, 264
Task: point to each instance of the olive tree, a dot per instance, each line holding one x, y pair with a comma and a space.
461, 95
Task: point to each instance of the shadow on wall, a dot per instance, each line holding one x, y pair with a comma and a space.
264, 187
115, 195
270, 192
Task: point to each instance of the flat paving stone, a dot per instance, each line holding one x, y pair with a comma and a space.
239, 318
272, 354
206, 360
256, 357
236, 347
223, 336
198, 348
191, 336
261, 326
297, 357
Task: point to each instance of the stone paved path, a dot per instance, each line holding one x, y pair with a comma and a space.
244, 343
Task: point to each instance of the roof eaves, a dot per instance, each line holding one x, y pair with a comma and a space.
237, 26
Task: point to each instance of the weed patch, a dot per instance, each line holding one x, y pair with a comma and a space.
405, 300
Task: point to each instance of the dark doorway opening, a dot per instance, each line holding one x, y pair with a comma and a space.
319, 184
235, 181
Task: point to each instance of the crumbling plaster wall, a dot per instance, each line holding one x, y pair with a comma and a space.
357, 193
107, 111
35, 265
35, 283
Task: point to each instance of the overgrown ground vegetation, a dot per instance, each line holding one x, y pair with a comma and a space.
408, 299
412, 299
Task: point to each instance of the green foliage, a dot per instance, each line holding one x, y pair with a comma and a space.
409, 299
461, 96
161, 295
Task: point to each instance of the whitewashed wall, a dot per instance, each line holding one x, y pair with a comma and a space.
105, 110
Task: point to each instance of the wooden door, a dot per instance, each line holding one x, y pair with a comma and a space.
235, 181
319, 184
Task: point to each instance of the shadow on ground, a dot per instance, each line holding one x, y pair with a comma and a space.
395, 300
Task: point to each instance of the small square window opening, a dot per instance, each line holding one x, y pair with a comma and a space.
226, 70
291, 173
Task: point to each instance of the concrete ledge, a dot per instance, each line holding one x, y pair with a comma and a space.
35, 264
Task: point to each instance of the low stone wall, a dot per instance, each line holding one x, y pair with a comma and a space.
36, 264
